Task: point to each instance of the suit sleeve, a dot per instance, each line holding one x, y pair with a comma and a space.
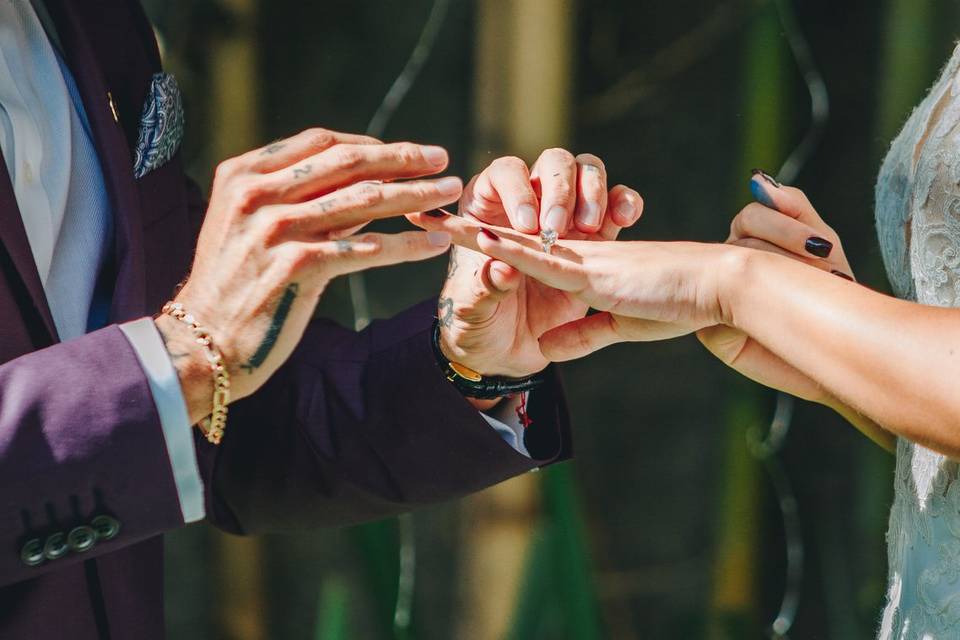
80, 445
359, 426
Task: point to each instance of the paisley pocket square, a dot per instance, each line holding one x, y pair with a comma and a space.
161, 125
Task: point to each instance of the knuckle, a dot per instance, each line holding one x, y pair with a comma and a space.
250, 195
347, 157
226, 169
509, 163
373, 244
408, 153
318, 137
366, 195
561, 155
562, 191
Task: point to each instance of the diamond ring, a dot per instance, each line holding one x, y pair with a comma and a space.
548, 238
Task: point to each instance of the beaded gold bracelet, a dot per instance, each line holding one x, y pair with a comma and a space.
214, 425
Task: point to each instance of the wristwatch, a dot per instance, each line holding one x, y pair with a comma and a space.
475, 385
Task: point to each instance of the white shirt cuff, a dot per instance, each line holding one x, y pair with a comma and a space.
505, 421
168, 398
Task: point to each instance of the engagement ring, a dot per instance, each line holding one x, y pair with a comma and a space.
548, 238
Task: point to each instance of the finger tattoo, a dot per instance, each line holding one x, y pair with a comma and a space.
344, 246
299, 172
272, 148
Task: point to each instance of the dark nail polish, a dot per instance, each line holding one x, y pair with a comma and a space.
842, 275
818, 247
766, 176
436, 213
759, 191
490, 234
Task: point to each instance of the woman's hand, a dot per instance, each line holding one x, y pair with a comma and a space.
278, 228
646, 290
782, 221
490, 315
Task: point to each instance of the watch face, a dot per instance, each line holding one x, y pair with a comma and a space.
465, 372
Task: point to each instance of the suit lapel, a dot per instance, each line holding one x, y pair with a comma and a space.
14, 239
129, 299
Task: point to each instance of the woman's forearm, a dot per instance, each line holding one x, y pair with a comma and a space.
895, 362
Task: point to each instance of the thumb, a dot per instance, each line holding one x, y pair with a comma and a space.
580, 337
493, 282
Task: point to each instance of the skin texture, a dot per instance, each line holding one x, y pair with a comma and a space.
281, 225
492, 316
890, 361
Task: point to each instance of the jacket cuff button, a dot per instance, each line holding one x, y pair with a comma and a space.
56, 546
82, 539
32, 553
106, 528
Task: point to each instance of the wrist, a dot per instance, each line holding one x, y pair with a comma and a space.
192, 368
733, 270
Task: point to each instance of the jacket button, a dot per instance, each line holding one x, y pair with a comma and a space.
82, 539
56, 546
32, 553
105, 527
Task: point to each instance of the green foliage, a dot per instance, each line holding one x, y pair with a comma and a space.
558, 599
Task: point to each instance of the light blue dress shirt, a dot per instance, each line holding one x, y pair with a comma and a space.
48, 147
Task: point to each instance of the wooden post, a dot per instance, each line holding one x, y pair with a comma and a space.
233, 93
523, 105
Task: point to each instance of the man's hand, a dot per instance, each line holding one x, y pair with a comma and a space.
278, 229
490, 315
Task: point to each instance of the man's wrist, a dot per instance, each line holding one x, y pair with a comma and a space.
192, 370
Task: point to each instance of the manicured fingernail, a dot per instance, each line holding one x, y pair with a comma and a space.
489, 234
626, 211
448, 186
436, 213
588, 213
842, 275
527, 217
437, 156
759, 191
769, 179
818, 247
556, 219
438, 238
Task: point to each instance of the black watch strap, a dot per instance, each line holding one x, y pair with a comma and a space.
474, 385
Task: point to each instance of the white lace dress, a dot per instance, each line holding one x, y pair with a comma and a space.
918, 221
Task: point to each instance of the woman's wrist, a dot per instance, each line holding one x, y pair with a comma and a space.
734, 270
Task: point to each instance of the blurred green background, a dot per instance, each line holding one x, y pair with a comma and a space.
664, 526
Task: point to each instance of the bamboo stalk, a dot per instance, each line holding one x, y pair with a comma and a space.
732, 612
523, 85
234, 85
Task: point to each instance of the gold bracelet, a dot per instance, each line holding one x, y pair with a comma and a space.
214, 425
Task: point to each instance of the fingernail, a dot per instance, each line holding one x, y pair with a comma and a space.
556, 219
438, 238
759, 192
435, 213
437, 156
818, 247
448, 186
527, 217
842, 275
766, 177
626, 211
588, 213
489, 234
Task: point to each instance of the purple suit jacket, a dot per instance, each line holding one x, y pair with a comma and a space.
355, 426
